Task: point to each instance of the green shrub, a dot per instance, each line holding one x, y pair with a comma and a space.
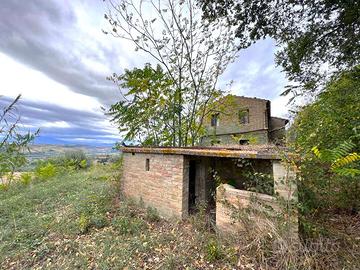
25, 178
71, 161
99, 221
116, 162
4, 186
84, 223
128, 225
76, 159
214, 251
152, 214
45, 170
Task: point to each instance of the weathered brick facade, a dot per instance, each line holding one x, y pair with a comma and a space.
260, 128
164, 186
161, 178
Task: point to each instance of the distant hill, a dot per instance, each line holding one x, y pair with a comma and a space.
42, 151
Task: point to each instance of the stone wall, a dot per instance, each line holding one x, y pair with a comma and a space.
164, 186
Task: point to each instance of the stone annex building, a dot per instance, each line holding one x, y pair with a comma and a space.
175, 180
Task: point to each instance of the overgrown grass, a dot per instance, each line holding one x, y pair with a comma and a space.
33, 216
77, 220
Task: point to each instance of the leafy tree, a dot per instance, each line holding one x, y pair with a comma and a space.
145, 112
341, 159
314, 37
332, 117
326, 135
193, 53
13, 142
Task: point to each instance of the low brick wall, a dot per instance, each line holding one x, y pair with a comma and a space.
163, 186
228, 198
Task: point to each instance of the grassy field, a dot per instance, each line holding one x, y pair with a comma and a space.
79, 221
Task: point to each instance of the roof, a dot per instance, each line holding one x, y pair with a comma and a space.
280, 118
243, 151
244, 97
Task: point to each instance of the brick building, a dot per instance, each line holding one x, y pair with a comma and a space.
243, 120
174, 180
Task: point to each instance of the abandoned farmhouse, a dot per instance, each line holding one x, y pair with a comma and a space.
176, 180
244, 120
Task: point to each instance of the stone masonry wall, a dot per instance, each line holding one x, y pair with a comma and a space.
163, 187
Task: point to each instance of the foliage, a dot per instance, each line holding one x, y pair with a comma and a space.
117, 163
84, 223
71, 161
331, 118
193, 54
328, 127
92, 212
145, 112
313, 37
214, 251
129, 225
75, 160
25, 178
254, 180
340, 158
45, 170
152, 214
13, 142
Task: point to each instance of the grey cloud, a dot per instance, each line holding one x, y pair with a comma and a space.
82, 124
260, 83
43, 35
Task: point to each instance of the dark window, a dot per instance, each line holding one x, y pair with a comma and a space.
243, 142
214, 120
244, 116
147, 165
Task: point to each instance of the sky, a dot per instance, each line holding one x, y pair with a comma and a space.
55, 54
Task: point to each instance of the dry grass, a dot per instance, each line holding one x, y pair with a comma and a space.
42, 228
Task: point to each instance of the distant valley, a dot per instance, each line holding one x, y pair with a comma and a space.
43, 151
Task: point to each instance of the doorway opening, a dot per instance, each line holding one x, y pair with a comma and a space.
192, 186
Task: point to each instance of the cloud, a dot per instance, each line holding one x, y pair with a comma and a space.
64, 124
255, 74
57, 39
55, 53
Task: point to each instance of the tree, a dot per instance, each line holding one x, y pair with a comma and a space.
332, 117
193, 54
316, 39
325, 134
12, 141
145, 112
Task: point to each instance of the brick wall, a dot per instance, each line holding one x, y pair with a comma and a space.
163, 186
229, 120
255, 137
284, 186
227, 195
